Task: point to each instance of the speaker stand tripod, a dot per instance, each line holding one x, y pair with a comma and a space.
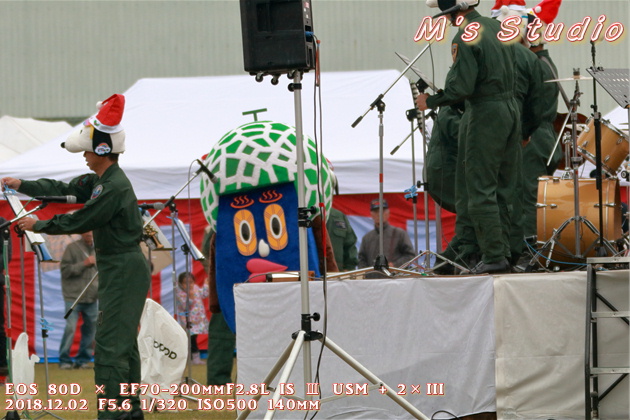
302, 338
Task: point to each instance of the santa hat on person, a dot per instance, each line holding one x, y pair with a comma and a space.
546, 11
514, 7
101, 133
505, 8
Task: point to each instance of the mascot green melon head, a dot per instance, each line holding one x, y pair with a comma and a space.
260, 154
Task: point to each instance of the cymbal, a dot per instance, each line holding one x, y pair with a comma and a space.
569, 79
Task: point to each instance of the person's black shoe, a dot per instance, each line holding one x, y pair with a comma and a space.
444, 268
469, 262
502, 266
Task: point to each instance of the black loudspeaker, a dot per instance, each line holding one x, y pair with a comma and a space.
277, 36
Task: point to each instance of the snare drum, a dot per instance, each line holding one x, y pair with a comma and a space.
556, 206
614, 145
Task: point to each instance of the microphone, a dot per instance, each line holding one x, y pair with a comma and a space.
154, 206
415, 92
461, 6
70, 199
205, 169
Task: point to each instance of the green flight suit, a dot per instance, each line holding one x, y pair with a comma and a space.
111, 212
537, 152
343, 240
529, 93
482, 75
441, 159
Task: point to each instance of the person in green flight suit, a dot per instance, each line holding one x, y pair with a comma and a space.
111, 211
538, 150
343, 239
342, 236
441, 157
529, 93
482, 75
441, 164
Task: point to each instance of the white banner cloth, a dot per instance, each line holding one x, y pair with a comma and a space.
540, 332
407, 332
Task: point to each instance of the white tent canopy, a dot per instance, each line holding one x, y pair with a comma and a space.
171, 122
17, 135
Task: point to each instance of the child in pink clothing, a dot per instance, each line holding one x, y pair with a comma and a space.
190, 296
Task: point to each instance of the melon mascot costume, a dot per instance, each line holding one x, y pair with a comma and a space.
253, 212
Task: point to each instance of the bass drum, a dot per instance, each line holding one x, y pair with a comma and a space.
614, 146
556, 206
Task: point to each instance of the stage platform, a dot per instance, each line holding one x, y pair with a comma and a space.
510, 344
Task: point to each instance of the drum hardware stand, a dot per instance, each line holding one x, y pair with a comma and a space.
598, 157
578, 220
462, 269
301, 340
625, 174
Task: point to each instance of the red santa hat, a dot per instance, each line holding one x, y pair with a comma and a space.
516, 5
547, 10
110, 113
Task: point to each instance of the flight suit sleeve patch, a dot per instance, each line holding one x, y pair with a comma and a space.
96, 192
454, 51
340, 224
83, 180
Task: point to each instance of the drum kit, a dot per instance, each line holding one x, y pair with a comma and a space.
579, 220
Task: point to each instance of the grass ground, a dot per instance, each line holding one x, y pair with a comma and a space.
84, 380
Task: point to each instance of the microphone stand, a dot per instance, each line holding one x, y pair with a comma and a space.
174, 212
76, 301
189, 249
380, 263
168, 203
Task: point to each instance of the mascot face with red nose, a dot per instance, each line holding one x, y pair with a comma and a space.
253, 208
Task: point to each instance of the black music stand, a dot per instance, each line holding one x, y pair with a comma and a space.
38, 246
616, 83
